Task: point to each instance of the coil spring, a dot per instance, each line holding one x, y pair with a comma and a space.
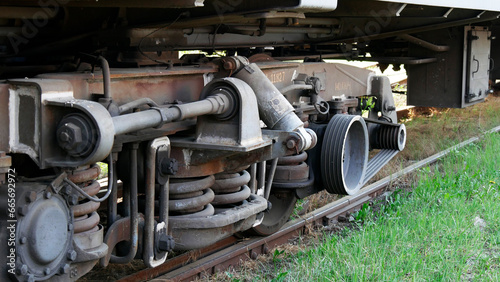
292, 169
191, 197
85, 212
391, 137
230, 189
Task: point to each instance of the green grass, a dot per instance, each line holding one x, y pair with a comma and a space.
104, 170
446, 229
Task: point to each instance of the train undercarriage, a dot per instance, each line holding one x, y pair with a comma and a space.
200, 147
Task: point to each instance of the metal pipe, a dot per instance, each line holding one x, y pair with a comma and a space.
296, 87
112, 200
134, 214
106, 77
164, 200
216, 104
274, 109
149, 221
424, 44
261, 177
134, 104
255, 30
149, 257
270, 177
137, 121
253, 178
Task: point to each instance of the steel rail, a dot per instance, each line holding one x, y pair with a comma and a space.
231, 253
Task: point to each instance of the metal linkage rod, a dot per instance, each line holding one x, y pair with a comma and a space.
216, 104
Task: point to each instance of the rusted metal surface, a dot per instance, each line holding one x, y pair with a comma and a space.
79, 176
85, 214
179, 261
180, 83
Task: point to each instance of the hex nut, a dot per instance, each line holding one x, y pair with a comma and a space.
290, 144
166, 243
69, 136
169, 166
23, 210
64, 269
23, 270
71, 255
31, 196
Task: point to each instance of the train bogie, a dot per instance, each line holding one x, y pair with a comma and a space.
199, 148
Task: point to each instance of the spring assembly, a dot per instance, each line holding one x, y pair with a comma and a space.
292, 169
230, 190
85, 212
191, 197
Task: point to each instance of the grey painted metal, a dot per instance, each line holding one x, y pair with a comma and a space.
239, 126
44, 240
137, 103
274, 109
133, 215
462, 4
104, 135
152, 229
476, 67
197, 232
127, 123
344, 154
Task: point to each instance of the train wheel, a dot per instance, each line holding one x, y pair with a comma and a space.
344, 154
283, 204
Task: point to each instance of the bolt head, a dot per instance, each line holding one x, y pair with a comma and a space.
71, 255
46, 271
67, 189
73, 200
166, 243
253, 255
290, 144
23, 240
64, 269
64, 136
169, 166
23, 270
47, 195
31, 196
23, 210
229, 64
69, 136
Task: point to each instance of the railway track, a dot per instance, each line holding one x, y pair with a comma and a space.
231, 251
